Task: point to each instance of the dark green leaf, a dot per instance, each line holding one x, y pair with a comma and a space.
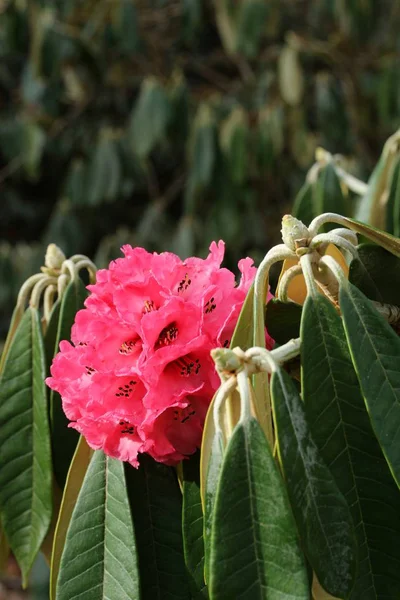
342, 430
375, 351
393, 204
103, 176
369, 272
254, 547
25, 474
156, 504
328, 194
234, 144
99, 559
282, 320
304, 205
321, 512
192, 515
64, 438
203, 152
251, 26
149, 118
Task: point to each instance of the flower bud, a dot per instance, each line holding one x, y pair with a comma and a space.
292, 231
54, 257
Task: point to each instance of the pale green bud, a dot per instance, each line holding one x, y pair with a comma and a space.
54, 257
293, 231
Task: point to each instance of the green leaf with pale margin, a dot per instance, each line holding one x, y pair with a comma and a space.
64, 439
156, 506
76, 475
25, 458
342, 431
369, 272
192, 526
369, 209
99, 560
210, 492
255, 550
393, 204
387, 241
321, 511
282, 320
375, 351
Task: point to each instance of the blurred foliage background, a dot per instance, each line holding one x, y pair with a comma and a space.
169, 123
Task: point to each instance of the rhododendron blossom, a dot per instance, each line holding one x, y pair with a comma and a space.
138, 376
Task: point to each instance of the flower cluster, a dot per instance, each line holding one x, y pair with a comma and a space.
139, 376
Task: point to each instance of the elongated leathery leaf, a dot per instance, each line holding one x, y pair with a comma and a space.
156, 505
76, 475
369, 272
192, 514
64, 438
255, 553
321, 511
211, 486
25, 474
342, 430
99, 560
375, 350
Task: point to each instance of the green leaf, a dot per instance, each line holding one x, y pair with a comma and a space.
375, 351
282, 320
64, 439
192, 515
203, 147
342, 431
369, 209
50, 337
290, 75
99, 559
149, 118
126, 26
251, 26
104, 172
34, 140
321, 512
234, 136
214, 465
17, 315
303, 206
76, 475
156, 505
369, 272
328, 194
254, 547
387, 241
25, 476
392, 208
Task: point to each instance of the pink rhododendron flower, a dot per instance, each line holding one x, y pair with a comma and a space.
138, 376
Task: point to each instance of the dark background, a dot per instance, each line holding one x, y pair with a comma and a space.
170, 123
